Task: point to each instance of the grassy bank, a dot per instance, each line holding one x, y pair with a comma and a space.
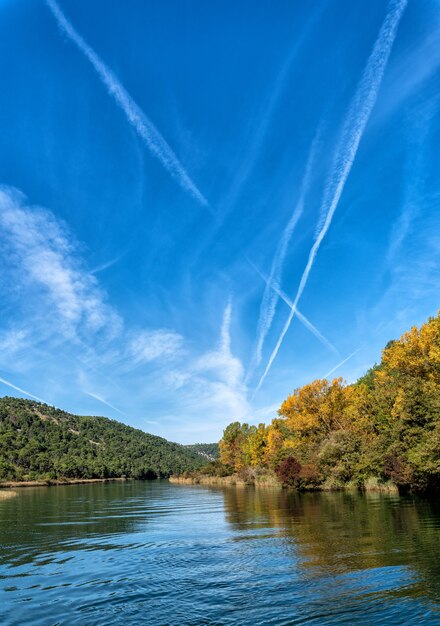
269, 480
51, 483
225, 481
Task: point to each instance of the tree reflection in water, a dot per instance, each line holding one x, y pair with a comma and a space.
343, 532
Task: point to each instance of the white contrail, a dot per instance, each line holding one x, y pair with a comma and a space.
357, 118
144, 127
315, 331
341, 363
101, 399
26, 393
263, 126
270, 295
302, 318
105, 266
275, 95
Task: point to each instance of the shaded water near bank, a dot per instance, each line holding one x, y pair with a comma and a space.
156, 553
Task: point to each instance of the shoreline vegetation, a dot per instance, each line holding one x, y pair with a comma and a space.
4, 485
271, 481
381, 433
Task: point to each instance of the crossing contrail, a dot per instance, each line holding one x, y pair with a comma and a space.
144, 127
308, 324
270, 295
302, 318
351, 135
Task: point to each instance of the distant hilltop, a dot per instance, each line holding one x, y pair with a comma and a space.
210, 451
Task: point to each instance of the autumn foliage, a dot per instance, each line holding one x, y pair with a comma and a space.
288, 472
385, 426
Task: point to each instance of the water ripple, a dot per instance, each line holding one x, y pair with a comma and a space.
161, 554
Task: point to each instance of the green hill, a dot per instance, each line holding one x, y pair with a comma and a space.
38, 441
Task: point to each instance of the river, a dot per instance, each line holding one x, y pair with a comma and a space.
152, 553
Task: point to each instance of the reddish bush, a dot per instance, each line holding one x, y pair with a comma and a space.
288, 472
397, 470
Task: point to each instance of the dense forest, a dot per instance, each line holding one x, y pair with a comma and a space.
385, 428
40, 442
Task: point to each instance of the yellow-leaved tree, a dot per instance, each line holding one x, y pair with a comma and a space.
257, 443
316, 407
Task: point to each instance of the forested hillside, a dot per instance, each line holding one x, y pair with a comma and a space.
40, 442
384, 428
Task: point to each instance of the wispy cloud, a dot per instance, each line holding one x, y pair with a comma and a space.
65, 326
265, 414
177, 379
144, 127
43, 256
150, 345
152, 422
212, 384
13, 340
20, 390
415, 66
221, 361
414, 266
351, 135
419, 121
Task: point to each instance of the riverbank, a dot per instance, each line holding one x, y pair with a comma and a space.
53, 483
371, 484
225, 481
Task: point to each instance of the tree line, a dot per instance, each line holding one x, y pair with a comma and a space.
329, 434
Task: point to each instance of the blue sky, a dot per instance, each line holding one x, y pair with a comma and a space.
205, 205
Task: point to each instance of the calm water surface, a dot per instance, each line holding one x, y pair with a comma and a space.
159, 554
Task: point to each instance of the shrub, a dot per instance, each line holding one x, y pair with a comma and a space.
396, 469
247, 475
309, 476
288, 472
